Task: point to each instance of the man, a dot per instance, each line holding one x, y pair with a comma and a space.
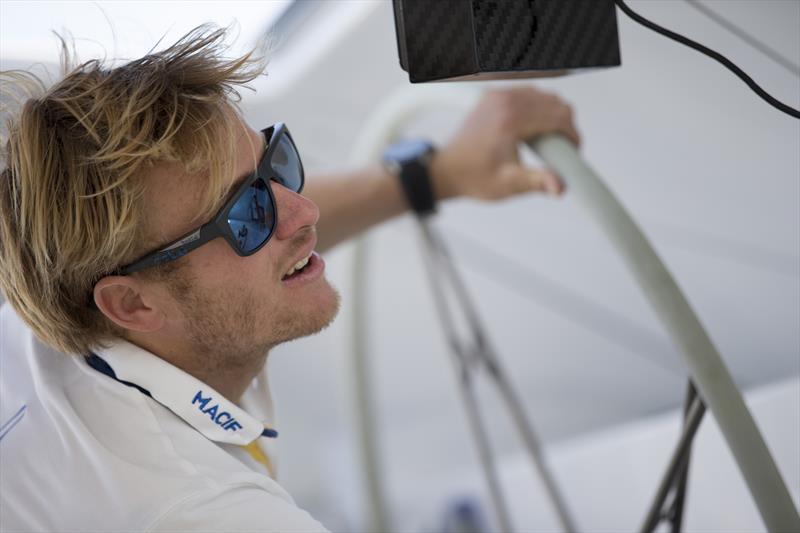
153, 249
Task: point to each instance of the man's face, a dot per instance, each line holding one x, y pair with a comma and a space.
231, 308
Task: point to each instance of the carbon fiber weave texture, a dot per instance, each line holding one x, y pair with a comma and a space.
449, 38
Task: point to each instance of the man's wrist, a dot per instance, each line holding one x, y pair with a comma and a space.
442, 175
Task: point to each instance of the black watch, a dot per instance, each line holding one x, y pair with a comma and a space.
410, 161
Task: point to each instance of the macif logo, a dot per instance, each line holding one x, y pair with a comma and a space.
222, 418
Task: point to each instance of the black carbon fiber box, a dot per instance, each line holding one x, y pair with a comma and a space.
490, 39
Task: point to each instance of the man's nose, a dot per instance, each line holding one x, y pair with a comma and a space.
295, 211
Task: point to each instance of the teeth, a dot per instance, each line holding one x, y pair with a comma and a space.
297, 266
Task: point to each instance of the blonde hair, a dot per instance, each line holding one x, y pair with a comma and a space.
74, 163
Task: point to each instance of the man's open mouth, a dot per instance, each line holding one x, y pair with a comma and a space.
297, 268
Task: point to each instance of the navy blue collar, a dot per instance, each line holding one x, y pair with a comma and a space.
99, 364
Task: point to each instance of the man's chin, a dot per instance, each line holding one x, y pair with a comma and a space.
326, 316
316, 319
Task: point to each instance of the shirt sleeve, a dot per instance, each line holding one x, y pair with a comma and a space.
236, 509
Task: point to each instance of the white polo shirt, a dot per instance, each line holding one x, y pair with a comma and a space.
81, 450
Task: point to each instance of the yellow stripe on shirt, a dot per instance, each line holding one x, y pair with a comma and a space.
259, 456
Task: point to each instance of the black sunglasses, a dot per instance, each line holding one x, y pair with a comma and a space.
249, 217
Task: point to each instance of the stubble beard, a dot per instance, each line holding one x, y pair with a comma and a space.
297, 323
227, 332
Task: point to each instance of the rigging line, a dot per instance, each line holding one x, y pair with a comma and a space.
596, 318
761, 46
483, 353
676, 463
443, 300
465, 381
676, 508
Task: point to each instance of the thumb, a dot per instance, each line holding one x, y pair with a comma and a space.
524, 179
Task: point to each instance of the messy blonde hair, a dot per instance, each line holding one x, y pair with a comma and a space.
74, 163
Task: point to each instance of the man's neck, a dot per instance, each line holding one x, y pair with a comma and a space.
228, 374
230, 382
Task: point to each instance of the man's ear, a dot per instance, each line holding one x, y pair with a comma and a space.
128, 304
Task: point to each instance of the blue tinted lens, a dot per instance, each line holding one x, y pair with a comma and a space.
252, 217
287, 166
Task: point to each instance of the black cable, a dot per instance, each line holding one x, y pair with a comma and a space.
761, 46
711, 53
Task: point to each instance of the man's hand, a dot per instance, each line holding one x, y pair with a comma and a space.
482, 160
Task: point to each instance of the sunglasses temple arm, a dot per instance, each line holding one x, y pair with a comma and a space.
174, 250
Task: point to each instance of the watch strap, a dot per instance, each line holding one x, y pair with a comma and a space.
414, 175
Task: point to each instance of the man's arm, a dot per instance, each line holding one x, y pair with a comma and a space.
481, 161
352, 202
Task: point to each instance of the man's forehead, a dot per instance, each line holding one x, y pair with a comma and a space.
173, 195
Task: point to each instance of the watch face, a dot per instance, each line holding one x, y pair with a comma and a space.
408, 150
